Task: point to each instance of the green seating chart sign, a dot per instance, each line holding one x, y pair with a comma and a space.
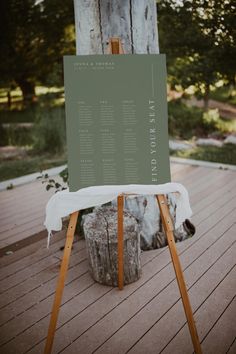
116, 120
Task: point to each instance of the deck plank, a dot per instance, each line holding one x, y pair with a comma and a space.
35, 253
232, 347
223, 333
22, 212
207, 314
144, 317
36, 280
140, 318
174, 318
88, 317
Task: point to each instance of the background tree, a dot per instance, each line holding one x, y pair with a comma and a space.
199, 40
19, 44
33, 38
58, 38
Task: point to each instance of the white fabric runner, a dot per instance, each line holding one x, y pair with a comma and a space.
63, 203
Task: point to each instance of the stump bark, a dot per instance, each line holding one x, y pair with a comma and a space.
100, 230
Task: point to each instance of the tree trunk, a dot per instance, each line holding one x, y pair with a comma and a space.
135, 22
27, 89
206, 97
9, 99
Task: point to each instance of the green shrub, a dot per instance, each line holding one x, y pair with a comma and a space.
225, 93
3, 136
225, 154
18, 115
211, 118
186, 122
49, 131
29, 164
13, 134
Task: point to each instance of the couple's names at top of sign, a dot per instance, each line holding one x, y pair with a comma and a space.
94, 65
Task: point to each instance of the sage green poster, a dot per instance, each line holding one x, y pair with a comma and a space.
116, 119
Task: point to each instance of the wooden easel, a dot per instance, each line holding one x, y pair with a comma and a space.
115, 47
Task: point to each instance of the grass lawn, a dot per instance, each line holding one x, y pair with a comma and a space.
16, 168
225, 154
224, 94
47, 98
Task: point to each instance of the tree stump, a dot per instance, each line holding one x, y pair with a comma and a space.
100, 230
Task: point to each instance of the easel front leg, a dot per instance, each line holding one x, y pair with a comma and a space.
168, 226
120, 208
61, 282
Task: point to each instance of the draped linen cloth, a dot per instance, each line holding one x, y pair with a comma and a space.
64, 203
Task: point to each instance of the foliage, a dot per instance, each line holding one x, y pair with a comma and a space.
47, 97
45, 128
15, 135
211, 118
198, 37
64, 175
225, 154
186, 122
224, 94
34, 35
47, 134
29, 164
26, 115
3, 135
49, 131
51, 183
19, 43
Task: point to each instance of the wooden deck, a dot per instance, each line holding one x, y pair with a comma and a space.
22, 215
147, 316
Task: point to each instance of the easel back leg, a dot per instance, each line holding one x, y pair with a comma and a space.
168, 226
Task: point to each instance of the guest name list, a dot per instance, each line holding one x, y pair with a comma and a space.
116, 120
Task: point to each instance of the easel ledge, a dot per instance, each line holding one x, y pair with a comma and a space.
115, 47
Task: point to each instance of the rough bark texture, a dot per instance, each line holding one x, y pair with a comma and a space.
135, 22
87, 25
27, 88
147, 213
144, 27
116, 22
100, 230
